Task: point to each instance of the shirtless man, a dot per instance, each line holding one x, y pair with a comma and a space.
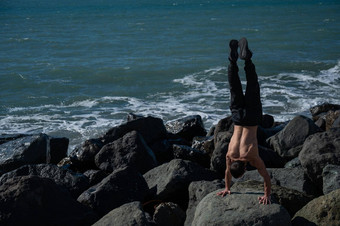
247, 115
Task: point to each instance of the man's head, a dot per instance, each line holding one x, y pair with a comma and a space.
237, 169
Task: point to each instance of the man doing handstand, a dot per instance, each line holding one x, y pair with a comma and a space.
247, 115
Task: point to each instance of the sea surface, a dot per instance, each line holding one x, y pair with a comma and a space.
76, 68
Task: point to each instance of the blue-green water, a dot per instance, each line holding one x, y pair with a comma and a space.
76, 68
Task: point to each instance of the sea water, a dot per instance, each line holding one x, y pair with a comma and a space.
76, 68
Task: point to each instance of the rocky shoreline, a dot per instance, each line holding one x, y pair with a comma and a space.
146, 172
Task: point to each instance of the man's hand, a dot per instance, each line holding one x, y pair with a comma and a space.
264, 200
224, 192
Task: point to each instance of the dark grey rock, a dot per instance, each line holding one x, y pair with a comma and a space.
74, 182
211, 131
270, 158
169, 214
162, 150
294, 163
197, 191
318, 151
129, 214
330, 118
290, 199
321, 123
293, 135
170, 181
325, 107
95, 176
58, 149
239, 208
132, 116
187, 128
224, 125
22, 151
331, 178
121, 186
218, 158
194, 155
32, 200
293, 178
152, 129
264, 133
130, 150
336, 123
267, 121
82, 157
323, 210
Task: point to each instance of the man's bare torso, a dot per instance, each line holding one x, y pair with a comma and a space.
243, 144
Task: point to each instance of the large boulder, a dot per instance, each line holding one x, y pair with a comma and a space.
320, 211
58, 149
294, 163
239, 208
32, 200
318, 151
170, 181
9, 137
187, 127
270, 158
129, 214
74, 182
169, 214
322, 108
293, 178
331, 178
189, 153
83, 156
129, 150
290, 199
25, 150
162, 150
152, 129
293, 135
197, 191
120, 187
95, 176
205, 144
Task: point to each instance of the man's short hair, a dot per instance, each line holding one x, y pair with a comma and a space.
237, 169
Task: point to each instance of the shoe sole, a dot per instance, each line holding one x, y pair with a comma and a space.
243, 44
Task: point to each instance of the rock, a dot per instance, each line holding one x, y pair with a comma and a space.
132, 116
218, 158
197, 191
331, 178
169, 214
293, 135
325, 107
9, 137
187, 128
162, 150
194, 155
224, 125
83, 156
264, 133
26, 150
270, 158
331, 117
152, 129
321, 123
130, 150
32, 200
170, 181
320, 211
336, 123
320, 150
205, 144
120, 187
95, 176
294, 163
58, 149
267, 121
292, 178
129, 214
290, 199
240, 208
211, 131
74, 182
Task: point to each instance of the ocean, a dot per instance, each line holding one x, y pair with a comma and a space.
77, 68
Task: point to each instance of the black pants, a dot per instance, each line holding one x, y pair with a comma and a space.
246, 109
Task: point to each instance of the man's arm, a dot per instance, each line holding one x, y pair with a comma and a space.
227, 178
261, 168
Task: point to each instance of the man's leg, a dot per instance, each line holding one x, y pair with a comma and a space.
253, 103
237, 101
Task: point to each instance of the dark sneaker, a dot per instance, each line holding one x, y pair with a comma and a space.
233, 55
245, 53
